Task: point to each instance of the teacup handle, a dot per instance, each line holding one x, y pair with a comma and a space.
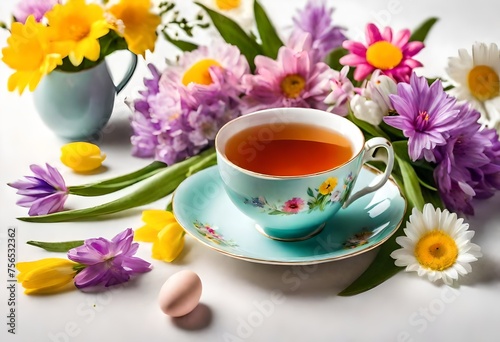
370, 147
128, 74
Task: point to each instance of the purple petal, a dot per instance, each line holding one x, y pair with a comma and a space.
47, 205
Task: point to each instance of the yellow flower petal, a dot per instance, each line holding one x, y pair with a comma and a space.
328, 186
158, 218
140, 24
78, 26
47, 275
170, 243
82, 156
30, 53
146, 234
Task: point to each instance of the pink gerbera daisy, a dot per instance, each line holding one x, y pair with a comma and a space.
391, 55
293, 80
293, 206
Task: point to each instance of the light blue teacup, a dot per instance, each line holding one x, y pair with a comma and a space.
293, 208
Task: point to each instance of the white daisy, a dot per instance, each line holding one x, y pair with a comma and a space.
241, 11
437, 244
476, 79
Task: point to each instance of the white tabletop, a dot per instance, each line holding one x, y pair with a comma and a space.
245, 301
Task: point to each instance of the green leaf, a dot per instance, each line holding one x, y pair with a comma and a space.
56, 246
234, 34
157, 186
310, 192
422, 31
366, 127
271, 42
401, 149
394, 133
411, 184
381, 268
333, 58
117, 183
180, 44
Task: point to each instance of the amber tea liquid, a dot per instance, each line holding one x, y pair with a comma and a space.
288, 149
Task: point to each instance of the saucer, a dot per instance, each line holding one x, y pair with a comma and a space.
203, 209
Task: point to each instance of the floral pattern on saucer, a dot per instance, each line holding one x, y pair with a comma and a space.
210, 233
358, 239
328, 193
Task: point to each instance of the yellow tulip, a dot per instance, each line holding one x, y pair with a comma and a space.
82, 156
162, 229
46, 276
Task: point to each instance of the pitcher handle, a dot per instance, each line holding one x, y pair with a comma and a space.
370, 147
128, 75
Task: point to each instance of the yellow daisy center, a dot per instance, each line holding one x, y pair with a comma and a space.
199, 72
483, 82
292, 86
436, 250
384, 55
226, 5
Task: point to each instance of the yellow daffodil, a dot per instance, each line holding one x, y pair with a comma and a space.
77, 26
30, 54
162, 229
82, 156
46, 276
327, 186
139, 24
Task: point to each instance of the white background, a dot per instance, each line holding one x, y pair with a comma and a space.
404, 308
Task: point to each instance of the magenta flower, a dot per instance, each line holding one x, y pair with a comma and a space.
43, 193
293, 206
426, 115
390, 54
107, 262
316, 19
293, 80
36, 8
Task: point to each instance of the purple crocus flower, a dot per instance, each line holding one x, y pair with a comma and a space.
107, 262
36, 8
426, 115
43, 193
316, 19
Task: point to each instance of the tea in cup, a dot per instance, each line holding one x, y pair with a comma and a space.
291, 169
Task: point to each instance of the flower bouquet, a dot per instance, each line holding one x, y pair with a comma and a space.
445, 156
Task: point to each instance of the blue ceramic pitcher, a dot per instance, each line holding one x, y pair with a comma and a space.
77, 105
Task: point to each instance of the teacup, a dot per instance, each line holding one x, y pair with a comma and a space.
292, 202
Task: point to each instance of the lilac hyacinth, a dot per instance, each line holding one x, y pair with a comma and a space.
107, 263
182, 109
144, 140
316, 19
36, 8
426, 115
468, 165
43, 193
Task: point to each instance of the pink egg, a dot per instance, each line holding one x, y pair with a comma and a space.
180, 294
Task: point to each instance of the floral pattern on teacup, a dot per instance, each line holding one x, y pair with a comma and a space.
211, 234
327, 193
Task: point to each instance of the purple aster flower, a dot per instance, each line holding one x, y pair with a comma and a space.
469, 163
36, 8
43, 193
108, 263
426, 115
316, 19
